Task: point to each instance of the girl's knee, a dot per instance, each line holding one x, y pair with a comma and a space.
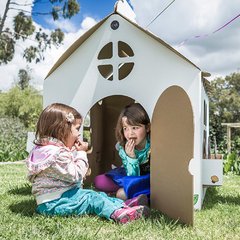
98, 181
104, 183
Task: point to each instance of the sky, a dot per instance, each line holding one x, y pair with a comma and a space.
206, 32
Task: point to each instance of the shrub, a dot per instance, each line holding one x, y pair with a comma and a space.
13, 139
23, 104
232, 163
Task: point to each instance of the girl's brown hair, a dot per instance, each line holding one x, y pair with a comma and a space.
54, 122
136, 115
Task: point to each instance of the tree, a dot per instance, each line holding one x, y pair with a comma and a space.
24, 78
6, 47
23, 28
224, 106
15, 104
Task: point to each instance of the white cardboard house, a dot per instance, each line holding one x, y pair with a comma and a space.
117, 62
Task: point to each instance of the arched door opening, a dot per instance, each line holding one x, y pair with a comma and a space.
100, 130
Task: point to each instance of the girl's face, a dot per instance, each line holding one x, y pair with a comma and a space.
136, 133
74, 134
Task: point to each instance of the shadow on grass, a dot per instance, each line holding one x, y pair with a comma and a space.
23, 190
213, 197
25, 208
161, 219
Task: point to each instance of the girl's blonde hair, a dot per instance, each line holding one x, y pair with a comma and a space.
136, 116
55, 121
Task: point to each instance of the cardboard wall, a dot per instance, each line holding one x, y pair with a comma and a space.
171, 151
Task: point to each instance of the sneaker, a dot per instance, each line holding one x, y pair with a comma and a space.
129, 214
141, 199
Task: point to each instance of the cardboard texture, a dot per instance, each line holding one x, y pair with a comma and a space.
171, 151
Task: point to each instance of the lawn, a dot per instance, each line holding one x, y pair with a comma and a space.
219, 218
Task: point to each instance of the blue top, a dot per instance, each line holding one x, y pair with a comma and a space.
133, 165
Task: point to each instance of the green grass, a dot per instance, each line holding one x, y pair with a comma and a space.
219, 218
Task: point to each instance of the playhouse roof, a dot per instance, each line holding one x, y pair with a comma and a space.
86, 35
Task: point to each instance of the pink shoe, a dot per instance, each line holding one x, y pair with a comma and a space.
128, 214
141, 199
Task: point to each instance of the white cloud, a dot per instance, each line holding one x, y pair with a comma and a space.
65, 25
219, 52
87, 23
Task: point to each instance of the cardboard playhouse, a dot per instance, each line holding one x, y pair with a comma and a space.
117, 62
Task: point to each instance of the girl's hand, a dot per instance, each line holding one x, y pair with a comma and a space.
129, 148
81, 146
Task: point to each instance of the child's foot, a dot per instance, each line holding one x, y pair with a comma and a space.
128, 214
141, 199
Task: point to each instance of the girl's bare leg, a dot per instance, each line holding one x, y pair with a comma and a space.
121, 194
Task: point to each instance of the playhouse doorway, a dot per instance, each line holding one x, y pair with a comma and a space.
172, 135
103, 118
